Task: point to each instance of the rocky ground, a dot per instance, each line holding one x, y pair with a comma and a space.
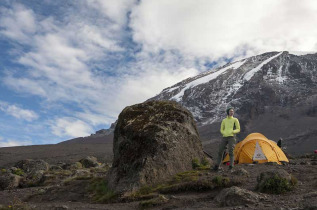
79, 186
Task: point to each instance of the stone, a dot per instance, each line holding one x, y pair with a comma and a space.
77, 165
9, 181
33, 179
30, 166
55, 168
89, 162
82, 173
241, 172
236, 196
152, 142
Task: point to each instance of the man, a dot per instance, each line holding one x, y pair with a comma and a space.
228, 137
279, 143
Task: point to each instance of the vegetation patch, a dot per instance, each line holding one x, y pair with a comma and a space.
185, 176
100, 191
277, 185
18, 172
220, 181
203, 165
187, 181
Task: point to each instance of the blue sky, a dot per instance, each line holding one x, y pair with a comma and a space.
68, 68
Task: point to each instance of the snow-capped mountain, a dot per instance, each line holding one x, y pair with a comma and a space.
273, 93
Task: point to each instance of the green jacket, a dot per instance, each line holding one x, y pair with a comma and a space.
227, 124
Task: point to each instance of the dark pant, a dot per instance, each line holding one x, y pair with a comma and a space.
230, 141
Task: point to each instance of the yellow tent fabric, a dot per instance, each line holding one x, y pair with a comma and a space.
256, 147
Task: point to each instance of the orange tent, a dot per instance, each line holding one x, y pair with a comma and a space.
256, 147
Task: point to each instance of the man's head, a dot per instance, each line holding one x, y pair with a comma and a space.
230, 111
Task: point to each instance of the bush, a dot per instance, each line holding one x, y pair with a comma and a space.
277, 185
204, 164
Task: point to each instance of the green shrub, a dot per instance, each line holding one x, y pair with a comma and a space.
277, 185
220, 181
195, 163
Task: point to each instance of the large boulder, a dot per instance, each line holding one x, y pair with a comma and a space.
152, 142
235, 196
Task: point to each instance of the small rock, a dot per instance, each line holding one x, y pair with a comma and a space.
76, 165
241, 172
89, 162
63, 207
235, 196
82, 173
55, 168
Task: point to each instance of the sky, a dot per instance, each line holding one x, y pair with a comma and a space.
68, 68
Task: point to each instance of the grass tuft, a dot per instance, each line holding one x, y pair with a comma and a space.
100, 191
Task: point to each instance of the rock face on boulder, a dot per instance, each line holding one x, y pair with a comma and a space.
152, 142
9, 181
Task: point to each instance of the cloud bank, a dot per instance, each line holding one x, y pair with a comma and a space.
86, 65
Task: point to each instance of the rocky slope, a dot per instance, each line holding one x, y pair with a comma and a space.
80, 188
274, 93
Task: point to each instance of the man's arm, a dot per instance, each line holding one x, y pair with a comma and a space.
222, 127
237, 124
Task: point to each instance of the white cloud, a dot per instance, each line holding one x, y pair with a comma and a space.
19, 23
17, 112
72, 127
225, 28
13, 143
115, 10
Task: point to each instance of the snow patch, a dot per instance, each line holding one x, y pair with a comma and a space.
250, 74
279, 77
171, 89
207, 78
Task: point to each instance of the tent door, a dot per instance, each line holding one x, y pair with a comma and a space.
258, 153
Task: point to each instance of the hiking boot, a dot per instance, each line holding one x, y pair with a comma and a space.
231, 168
